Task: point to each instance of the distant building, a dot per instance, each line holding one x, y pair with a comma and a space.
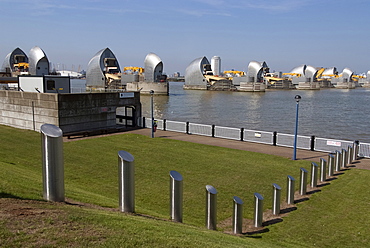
216, 65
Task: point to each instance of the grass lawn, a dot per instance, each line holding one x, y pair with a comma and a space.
337, 216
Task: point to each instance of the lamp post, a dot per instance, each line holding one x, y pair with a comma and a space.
297, 99
152, 111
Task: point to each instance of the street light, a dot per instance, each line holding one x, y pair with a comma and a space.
152, 111
297, 99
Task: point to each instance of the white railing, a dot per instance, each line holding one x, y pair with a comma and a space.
279, 139
176, 126
258, 136
200, 129
303, 142
364, 150
330, 145
227, 133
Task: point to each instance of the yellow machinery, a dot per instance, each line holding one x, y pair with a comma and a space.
357, 77
133, 69
272, 80
292, 74
234, 73
21, 66
213, 79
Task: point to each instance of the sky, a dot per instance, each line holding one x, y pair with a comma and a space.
283, 33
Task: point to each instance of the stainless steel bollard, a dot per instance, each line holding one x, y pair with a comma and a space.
303, 182
258, 210
355, 150
52, 163
322, 170
126, 175
314, 169
338, 160
344, 158
290, 190
350, 155
238, 216
276, 196
331, 163
176, 196
211, 207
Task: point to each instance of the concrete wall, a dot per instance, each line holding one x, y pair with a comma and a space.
28, 110
146, 87
71, 112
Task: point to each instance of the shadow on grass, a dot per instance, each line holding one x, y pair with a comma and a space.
264, 230
301, 200
313, 191
272, 221
331, 179
323, 184
288, 210
6, 195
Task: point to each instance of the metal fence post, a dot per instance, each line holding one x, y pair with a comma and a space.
242, 134
213, 130
276, 195
314, 169
331, 164
303, 182
322, 170
211, 207
176, 196
344, 158
238, 216
258, 210
338, 160
164, 124
290, 190
312, 146
274, 138
144, 124
52, 163
126, 175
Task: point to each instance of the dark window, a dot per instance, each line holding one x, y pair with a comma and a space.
50, 85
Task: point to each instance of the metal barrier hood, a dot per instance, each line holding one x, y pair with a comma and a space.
15, 57
102, 62
194, 73
329, 72
38, 62
256, 71
153, 68
310, 72
299, 70
347, 73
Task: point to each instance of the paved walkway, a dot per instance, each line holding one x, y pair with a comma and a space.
286, 152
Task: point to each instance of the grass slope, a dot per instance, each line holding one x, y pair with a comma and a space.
91, 177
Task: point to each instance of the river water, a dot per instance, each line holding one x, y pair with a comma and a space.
327, 113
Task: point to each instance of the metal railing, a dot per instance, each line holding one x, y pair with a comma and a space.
277, 139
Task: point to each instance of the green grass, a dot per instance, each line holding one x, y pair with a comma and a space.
327, 219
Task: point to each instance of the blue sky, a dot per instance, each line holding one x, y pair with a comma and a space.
284, 33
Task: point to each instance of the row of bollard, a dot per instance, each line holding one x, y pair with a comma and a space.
53, 182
